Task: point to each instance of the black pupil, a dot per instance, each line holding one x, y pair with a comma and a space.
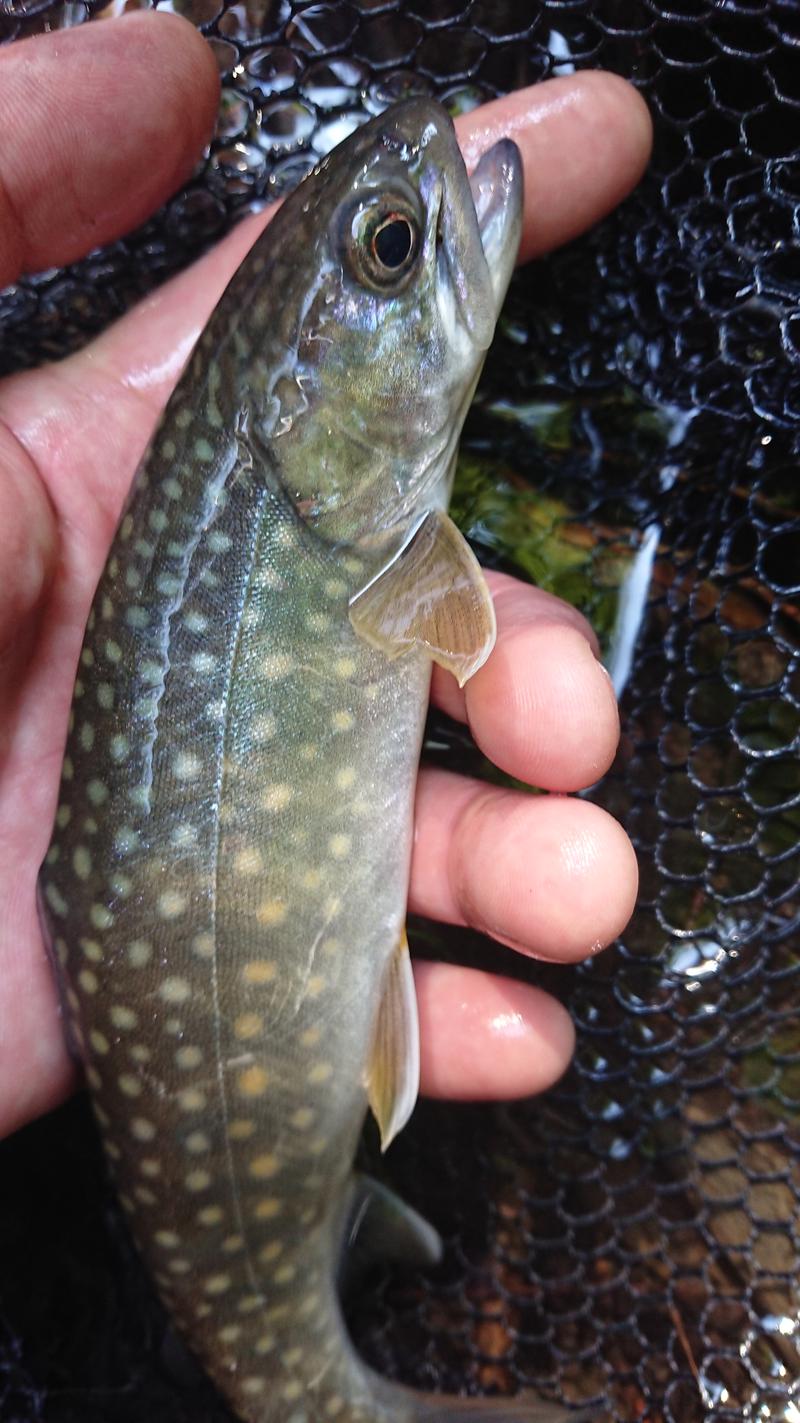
393, 242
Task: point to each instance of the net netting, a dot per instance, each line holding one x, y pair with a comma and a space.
630, 1238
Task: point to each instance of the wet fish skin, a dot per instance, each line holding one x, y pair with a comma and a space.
225, 888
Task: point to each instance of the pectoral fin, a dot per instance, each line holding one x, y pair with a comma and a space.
393, 1070
432, 595
380, 1226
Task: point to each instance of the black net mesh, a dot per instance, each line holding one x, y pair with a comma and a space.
631, 1238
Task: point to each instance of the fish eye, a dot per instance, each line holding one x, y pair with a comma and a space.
382, 242
393, 241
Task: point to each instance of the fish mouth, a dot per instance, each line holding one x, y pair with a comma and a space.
478, 225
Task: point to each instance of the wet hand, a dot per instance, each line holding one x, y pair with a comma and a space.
102, 124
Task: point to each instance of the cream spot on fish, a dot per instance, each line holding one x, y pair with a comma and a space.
203, 449
284, 1274
88, 980
90, 825
150, 672
334, 1405
331, 945
253, 1385
271, 911
140, 1053
309, 1305
263, 728
259, 971
339, 846
82, 862
188, 1056
175, 990
150, 1166
104, 693
191, 1099
147, 1197
311, 879
241, 1129
346, 778
292, 1358
229, 1333
157, 520
232, 1244
130, 1085
142, 1129
174, 1026
123, 1017
264, 1166
183, 836
63, 816
198, 1181
101, 917
310, 1037
171, 904
168, 584
139, 953
218, 542
119, 747
209, 578
267, 1208
179, 1267
106, 607
335, 588
203, 663
87, 657
303, 1118
136, 616
186, 766
197, 1142
344, 667
203, 945
67, 769
172, 488
318, 622
97, 791
253, 1082
342, 721
62, 951
94, 1079
210, 1215
320, 1072
277, 665
317, 1146
248, 1025
133, 578
99, 1041
112, 1150
249, 861
167, 1239
276, 797
270, 1252
264, 1344
125, 528
308, 751
249, 1303
56, 900
315, 985
87, 736
217, 1284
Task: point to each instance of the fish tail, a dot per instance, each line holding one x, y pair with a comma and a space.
525, 1407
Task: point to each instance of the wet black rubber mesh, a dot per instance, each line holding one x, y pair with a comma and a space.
631, 1238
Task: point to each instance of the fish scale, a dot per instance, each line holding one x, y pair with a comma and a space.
226, 885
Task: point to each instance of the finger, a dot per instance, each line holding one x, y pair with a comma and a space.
585, 140
486, 1038
543, 707
548, 875
100, 124
28, 543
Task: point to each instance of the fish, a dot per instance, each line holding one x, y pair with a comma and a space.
225, 890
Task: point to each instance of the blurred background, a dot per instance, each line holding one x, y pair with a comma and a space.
631, 1238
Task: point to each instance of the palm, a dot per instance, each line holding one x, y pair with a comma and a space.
71, 439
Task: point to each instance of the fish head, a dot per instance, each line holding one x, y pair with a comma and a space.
411, 262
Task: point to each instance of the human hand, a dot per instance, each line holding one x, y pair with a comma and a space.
114, 116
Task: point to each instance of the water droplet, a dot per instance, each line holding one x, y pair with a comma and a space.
333, 83
197, 12
235, 113
289, 172
285, 124
330, 134
321, 29
253, 21
270, 71
236, 168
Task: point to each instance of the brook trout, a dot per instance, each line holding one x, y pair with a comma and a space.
226, 887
